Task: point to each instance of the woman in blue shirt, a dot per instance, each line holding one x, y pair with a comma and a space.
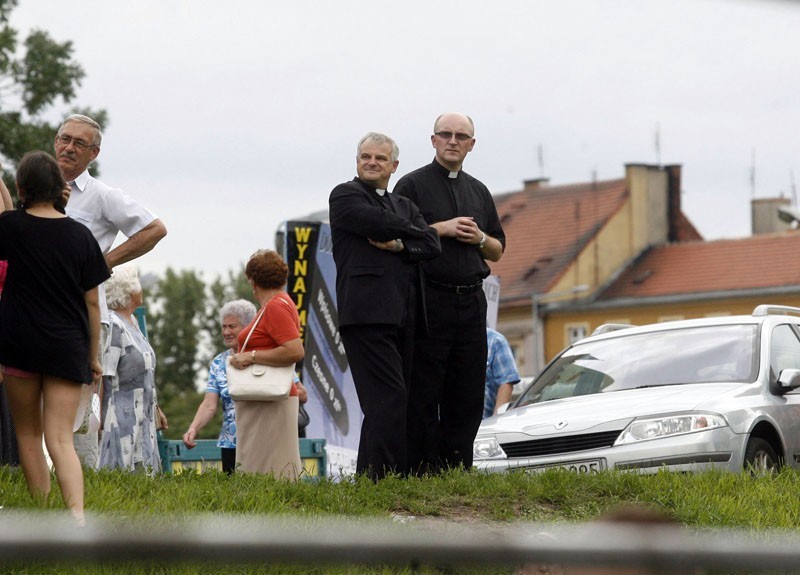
234, 315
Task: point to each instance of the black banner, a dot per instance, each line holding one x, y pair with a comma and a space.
301, 249
320, 375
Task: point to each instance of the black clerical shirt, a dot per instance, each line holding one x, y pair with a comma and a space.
439, 198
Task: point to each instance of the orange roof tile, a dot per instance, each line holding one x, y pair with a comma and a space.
546, 228
755, 262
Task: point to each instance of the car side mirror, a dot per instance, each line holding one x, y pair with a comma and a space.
788, 380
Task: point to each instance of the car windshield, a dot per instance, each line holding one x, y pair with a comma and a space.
721, 353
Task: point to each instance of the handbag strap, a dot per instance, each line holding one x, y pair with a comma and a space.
258, 319
252, 329
280, 299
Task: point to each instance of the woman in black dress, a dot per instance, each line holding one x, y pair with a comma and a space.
49, 325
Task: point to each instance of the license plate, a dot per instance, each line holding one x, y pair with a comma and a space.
585, 466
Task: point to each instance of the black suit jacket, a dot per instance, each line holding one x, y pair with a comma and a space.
372, 284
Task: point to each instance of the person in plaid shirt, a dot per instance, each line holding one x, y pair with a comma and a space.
501, 373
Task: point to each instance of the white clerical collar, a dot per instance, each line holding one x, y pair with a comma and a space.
380, 192
452, 175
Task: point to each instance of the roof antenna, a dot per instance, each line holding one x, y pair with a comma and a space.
657, 143
540, 160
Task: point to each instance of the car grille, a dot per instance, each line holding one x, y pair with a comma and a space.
561, 444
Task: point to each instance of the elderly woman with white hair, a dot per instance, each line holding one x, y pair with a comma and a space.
130, 412
233, 316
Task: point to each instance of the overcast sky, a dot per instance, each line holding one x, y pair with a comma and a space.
227, 118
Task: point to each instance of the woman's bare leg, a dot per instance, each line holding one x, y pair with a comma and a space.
60, 405
25, 400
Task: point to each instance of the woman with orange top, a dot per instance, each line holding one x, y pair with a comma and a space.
266, 431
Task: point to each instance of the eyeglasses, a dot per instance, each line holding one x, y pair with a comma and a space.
79, 145
460, 136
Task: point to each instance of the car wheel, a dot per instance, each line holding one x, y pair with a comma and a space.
760, 457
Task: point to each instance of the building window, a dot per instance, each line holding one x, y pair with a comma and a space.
575, 332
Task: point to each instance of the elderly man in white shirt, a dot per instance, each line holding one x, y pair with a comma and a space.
106, 211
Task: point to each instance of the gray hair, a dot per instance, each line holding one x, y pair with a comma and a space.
122, 283
98, 134
379, 139
241, 308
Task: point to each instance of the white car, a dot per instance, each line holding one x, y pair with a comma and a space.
685, 396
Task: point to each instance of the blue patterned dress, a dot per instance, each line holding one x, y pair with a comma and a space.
129, 438
218, 383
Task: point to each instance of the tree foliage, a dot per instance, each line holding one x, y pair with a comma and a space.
175, 328
35, 74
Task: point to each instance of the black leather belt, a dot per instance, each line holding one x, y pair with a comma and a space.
454, 288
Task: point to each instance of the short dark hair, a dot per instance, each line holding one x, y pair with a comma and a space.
267, 269
39, 179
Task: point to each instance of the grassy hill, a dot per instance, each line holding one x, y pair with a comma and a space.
701, 500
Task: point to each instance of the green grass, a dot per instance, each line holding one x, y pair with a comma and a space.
700, 500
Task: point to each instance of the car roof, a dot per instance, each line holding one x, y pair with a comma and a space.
771, 314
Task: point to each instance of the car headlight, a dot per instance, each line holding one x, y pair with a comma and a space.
486, 448
667, 426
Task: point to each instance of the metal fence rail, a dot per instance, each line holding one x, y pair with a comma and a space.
46, 537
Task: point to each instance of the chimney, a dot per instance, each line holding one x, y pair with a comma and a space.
535, 184
764, 215
673, 200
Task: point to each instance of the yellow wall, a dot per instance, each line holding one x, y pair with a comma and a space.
516, 324
608, 252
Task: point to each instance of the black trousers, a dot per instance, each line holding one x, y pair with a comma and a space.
380, 362
445, 404
228, 455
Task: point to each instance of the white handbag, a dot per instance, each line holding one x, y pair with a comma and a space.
87, 418
259, 382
